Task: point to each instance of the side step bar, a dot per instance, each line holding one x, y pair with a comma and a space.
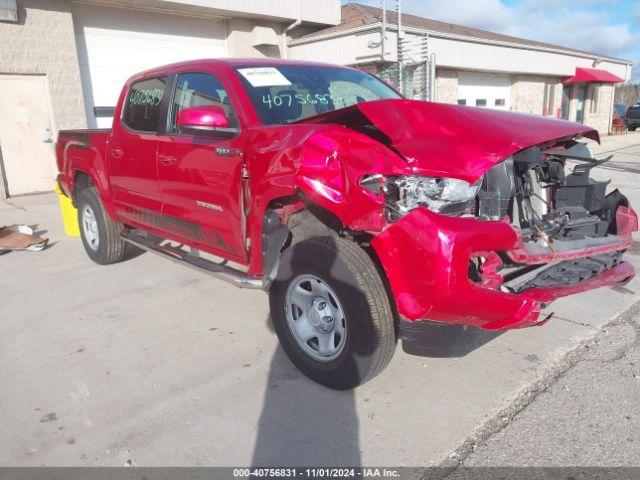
178, 255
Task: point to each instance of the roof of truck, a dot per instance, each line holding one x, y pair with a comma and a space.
232, 63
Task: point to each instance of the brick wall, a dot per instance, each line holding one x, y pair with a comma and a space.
527, 94
43, 42
446, 85
598, 116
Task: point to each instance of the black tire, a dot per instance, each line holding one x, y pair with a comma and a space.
370, 328
110, 247
633, 129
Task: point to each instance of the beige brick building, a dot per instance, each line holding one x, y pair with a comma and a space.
456, 64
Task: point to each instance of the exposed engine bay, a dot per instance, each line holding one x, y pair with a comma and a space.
556, 209
547, 204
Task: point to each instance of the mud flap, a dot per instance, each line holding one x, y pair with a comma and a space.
274, 238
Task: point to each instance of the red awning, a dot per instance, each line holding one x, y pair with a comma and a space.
593, 75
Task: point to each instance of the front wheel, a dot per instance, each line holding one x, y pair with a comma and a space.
331, 312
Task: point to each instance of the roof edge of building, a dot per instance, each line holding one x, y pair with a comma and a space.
336, 31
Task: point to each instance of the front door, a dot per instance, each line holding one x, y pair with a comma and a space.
26, 134
132, 153
200, 177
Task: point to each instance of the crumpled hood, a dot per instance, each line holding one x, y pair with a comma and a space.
455, 141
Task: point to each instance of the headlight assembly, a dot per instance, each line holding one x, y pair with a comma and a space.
448, 196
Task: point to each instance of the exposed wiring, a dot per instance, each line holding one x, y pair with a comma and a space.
546, 240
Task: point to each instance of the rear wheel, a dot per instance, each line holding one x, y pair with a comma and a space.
633, 129
331, 312
100, 235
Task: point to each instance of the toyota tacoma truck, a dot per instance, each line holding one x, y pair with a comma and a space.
367, 217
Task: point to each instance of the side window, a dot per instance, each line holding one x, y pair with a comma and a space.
197, 89
143, 105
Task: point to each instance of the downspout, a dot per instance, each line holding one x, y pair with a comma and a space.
285, 43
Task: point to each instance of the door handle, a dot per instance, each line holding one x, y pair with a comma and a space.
166, 160
117, 153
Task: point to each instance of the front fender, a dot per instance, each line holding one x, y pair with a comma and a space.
333, 162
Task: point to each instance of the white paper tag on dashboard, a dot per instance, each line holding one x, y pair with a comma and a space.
264, 76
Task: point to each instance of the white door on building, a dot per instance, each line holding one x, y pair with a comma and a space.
115, 43
26, 134
480, 89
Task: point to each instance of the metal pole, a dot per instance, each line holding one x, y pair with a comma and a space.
400, 37
384, 29
432, 77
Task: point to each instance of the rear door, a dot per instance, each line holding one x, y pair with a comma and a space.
132, 152
200, 177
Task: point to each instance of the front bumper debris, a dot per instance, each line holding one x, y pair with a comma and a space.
426, 259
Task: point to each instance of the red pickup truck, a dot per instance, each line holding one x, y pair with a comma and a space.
367, 217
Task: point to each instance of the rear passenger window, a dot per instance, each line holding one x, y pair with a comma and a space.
198, 89
143, 105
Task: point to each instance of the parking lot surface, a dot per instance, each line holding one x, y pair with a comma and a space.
148, 363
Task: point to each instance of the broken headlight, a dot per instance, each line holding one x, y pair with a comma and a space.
448, 196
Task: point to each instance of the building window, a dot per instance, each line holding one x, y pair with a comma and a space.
104, 112
462, 101
548, 104
481, 102
500, 102
566, 99
580, 104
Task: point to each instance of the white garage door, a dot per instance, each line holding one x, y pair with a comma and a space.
115, 43
490, 90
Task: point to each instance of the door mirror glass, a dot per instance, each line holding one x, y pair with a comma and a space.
208, 120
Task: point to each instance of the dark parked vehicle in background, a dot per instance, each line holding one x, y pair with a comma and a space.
633, 117
619, 110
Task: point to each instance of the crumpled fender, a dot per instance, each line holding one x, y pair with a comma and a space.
332, 163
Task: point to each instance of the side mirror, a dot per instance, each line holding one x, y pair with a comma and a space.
205, 120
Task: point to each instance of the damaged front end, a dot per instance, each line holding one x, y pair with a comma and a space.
494, 252
478, 217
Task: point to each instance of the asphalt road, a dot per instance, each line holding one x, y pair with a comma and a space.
148, 363
590, 416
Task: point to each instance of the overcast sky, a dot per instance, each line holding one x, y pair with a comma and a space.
609, 27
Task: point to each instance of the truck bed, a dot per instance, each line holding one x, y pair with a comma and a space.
79, 149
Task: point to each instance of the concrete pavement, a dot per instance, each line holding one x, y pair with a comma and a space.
148, 363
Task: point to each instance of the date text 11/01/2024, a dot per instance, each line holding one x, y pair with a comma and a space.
316, 472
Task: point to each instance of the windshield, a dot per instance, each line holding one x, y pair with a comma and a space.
286, 94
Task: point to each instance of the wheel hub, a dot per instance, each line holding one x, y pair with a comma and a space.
320, 315
90, 227
315, 317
